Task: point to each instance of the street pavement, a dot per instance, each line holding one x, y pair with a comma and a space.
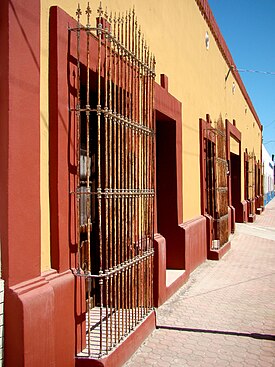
225, 314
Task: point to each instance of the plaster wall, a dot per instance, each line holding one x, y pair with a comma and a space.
175, 31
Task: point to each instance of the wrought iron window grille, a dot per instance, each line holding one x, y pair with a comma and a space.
114, 198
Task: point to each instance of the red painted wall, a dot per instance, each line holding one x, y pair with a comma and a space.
20, 140
39, 309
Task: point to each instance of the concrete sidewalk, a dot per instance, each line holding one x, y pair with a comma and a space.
225, 314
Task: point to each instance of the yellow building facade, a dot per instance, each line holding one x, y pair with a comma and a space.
197, 78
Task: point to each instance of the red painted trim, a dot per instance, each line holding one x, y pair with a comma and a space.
231, 130
210, 20
245, 174
195, 242
59, 137
20, 140
164, 81
231, 219
218, 254
159, 270
209, 234
4, 136
124, 351
169, 106
168, 110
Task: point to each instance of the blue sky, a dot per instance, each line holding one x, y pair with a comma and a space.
248, 27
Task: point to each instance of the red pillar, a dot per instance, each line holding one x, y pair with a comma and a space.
33, 303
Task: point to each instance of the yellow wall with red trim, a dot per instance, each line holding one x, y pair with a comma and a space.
175, 31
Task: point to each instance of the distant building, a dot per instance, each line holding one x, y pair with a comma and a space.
125, 160
268, 179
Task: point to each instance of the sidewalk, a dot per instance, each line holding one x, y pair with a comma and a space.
225, 314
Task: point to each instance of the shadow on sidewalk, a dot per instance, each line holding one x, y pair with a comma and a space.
234, 333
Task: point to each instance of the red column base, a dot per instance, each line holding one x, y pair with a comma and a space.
251, 218
218, 254
39, 322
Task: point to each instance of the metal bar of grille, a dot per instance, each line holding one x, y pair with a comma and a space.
99, 184
115, 177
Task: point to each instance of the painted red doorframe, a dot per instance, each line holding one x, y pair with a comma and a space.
259, 194
188, 239
169, 106
240, 210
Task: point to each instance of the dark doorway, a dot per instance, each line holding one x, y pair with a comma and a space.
235, 167
166, 188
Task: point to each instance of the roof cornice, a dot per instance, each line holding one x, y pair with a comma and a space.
212, 24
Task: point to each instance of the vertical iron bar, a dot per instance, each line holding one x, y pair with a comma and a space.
126, 172
129, 175
153, 170
99, 190
142, 165
111, 152
152, 163
116, 177
135, 118
146, 169
138, 174
107, 147
87, 196
117, 81
132, 102
122, 115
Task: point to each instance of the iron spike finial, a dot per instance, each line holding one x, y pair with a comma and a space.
133, 11
100, 10
78, 13
111, 17
139, 31
106, 13
88, 13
